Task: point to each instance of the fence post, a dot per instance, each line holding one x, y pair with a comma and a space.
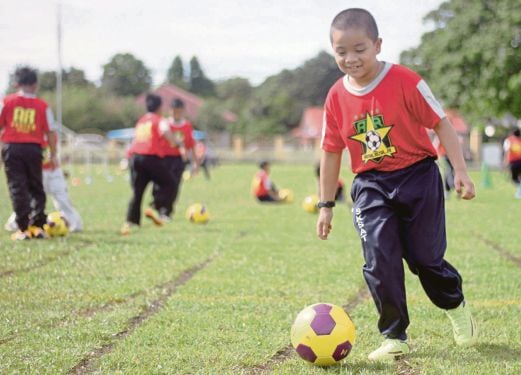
279, 147
237, 147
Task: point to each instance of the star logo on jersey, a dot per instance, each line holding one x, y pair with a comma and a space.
373, 134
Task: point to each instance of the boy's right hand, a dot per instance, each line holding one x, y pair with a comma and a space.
324, 222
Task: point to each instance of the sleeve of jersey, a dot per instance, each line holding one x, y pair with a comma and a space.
426, 108
164, 127
331, 136
50, 120
2, 115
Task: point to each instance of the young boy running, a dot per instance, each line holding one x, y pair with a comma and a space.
25, 122
379, 112
176, 156
147, 161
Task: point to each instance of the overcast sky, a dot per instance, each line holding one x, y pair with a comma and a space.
247, 38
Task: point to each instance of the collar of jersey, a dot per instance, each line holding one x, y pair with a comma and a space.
26, 94
370, 87
177, 123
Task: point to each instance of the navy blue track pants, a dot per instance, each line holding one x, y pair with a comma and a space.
401, 214
23, 169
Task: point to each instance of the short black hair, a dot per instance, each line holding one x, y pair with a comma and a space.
177, 103
517, 132
358, 18
263, 164
25, 76
153, 102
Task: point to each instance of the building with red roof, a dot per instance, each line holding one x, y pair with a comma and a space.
193, 103
310, 126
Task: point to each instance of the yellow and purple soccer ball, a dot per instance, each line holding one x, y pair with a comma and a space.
198, 213
286, 195
323, 334
309, 204
56, 225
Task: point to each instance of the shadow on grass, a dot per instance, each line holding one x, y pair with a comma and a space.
500, 352
361, 366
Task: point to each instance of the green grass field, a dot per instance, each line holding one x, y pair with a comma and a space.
220, 298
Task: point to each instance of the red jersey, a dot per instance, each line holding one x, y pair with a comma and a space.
261, 184
513, 149
23, 119
384, 124
148, 135
183, 133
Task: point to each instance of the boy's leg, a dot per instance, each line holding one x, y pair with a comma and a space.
138, 180
56, 187
206, 168
160, 173
449, 175
177, 168
10, 225
383, 271
422, 215
18, 183
37, 216
158, 194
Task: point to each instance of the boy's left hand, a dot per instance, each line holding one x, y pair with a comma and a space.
324, 223
464, 186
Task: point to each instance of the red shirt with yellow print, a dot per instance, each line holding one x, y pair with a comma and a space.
23, 119
148, 136
513, 149
182, 131
384, 124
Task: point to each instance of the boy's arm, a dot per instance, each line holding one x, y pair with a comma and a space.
52, 139
329, 171
449, 139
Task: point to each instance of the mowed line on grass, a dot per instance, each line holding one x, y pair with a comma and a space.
237, 312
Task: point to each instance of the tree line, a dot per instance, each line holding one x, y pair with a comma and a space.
273, 107
471, 59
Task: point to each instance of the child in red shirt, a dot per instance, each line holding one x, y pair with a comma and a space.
25, 122
379, 112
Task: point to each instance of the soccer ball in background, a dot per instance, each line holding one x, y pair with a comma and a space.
373, 140
56, 225
286, 195
323, 334
197, 213
309, 204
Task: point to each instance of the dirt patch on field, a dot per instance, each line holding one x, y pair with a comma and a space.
85, 365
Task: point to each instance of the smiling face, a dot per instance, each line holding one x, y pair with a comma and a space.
355, 54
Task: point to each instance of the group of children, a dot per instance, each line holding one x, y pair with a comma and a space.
378, 111
159, 152
30, 156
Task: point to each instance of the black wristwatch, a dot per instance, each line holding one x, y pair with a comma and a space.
327, 204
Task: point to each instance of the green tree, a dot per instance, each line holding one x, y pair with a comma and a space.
235, 93
125, 75
472, 58
89, 108
277, 104
175, 74
199, 83
72, 77
210, 116
47, 81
